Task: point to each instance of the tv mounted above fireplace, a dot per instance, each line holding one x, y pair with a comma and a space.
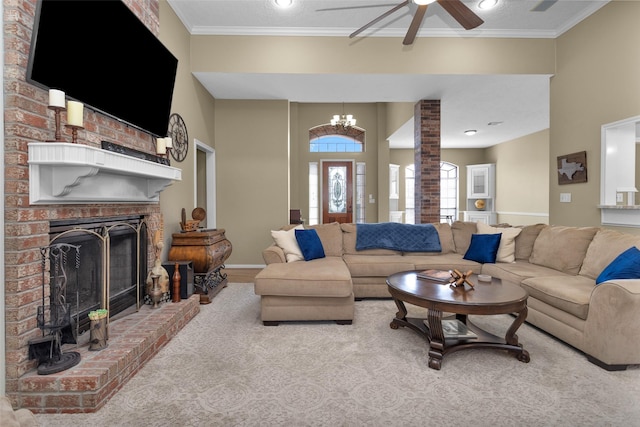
99, 53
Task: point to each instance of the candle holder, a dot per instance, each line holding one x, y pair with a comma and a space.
74, 132
168, 157
58, 135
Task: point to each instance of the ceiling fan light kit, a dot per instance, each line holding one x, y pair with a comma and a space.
283, 3
487, 4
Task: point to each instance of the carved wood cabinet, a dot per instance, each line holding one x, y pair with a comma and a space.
208, 250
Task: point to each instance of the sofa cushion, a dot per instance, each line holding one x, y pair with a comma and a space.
462, 231
517, 271
625, 266
562, 248
310, 244
376, 265
605, 247
446, 241
483, 248
324, 277
567, 293
349, 243
525, 240
444, 262
286, 239
331, 237
507, 248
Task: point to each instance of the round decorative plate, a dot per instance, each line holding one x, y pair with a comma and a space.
178, 133
199, 214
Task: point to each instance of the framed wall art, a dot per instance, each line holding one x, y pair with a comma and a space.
572, 168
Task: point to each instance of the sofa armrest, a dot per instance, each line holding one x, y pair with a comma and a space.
19, 417
273, 254
612, 330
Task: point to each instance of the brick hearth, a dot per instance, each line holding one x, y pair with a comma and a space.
133, 341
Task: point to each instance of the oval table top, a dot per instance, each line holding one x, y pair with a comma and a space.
492, 297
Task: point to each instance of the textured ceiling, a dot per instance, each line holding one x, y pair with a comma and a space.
520, 103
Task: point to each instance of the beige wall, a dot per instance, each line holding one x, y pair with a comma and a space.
247, 222
252, 152
522, 179
597, 82
595, 65
513, 206
319, 55
196, 106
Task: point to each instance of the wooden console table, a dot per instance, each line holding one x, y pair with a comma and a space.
208, 249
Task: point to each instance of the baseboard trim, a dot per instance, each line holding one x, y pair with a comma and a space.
229, 266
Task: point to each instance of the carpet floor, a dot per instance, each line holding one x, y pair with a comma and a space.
226, 369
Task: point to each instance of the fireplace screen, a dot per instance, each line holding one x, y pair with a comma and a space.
113, 262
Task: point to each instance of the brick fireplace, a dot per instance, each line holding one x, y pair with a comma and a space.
29, 122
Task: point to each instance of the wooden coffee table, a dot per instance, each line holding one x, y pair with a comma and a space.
486, 298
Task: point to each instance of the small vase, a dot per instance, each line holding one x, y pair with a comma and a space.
156, 293
175, 294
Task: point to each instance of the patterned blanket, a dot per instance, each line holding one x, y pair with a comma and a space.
399, 237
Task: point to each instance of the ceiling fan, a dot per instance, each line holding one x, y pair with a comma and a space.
458, 10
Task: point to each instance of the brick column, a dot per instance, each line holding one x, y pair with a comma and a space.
427, 161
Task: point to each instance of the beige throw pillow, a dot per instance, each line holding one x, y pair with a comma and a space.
507, 248
286, 239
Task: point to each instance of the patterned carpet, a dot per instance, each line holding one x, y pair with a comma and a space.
226, 369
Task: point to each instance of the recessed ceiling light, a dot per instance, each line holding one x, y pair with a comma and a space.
487, 4
470, 132
284, 3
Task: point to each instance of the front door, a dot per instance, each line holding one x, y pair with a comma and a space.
337, 192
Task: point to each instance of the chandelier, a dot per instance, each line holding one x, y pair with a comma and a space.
343, 120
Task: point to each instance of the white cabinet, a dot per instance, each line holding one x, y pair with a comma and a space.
481, 189
486, 217
481, 181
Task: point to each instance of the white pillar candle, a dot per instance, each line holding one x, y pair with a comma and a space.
168, 142
161, 146
75, 112
56, 98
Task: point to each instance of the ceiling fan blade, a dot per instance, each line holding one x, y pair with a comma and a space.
461, 13
543, 5
415, 25
379, 18
371, 6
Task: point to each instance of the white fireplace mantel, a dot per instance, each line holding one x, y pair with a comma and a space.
64, 173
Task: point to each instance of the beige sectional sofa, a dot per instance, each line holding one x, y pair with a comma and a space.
557, 265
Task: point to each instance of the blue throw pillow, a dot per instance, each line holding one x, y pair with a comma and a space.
310, 244
625, 266
483, 248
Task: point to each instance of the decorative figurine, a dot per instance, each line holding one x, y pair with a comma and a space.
158, 270
458, 279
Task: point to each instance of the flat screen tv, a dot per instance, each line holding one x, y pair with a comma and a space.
99, 53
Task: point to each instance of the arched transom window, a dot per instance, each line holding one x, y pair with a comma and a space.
336, 139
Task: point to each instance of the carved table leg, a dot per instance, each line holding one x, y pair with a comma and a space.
436, 343
512, 339
401, 315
